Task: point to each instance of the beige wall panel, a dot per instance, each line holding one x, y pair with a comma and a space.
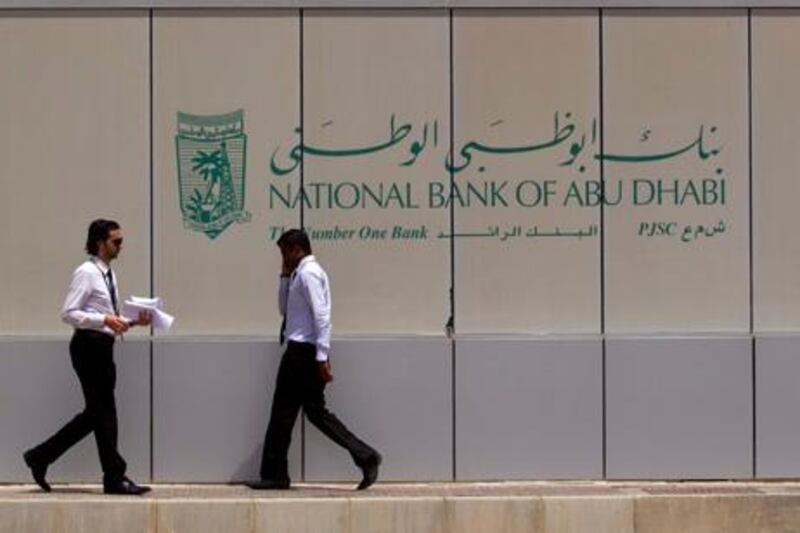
74, 143
360, 68
517, 75
213, 63
667, 74
776, 159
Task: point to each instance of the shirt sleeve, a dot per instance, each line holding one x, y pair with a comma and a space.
79, 290
318, 295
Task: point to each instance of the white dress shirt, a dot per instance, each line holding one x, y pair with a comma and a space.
304, 299
88, 299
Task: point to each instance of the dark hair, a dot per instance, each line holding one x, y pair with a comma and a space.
295, 237
98, 231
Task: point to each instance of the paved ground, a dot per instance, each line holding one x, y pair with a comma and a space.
426, 490
502, 507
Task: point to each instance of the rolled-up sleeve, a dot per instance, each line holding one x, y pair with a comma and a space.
79, 290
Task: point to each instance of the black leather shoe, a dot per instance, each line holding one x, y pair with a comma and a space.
124, 487
370, 471
38, 470
269, 484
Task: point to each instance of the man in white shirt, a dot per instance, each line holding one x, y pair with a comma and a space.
304, 300
91, 308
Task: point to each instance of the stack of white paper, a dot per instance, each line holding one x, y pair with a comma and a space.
161, 320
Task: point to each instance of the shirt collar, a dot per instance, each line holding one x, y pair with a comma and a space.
102, 265
307, 259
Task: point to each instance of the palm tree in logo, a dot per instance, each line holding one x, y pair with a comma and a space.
215, 168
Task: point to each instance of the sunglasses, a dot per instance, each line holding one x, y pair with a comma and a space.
116, 242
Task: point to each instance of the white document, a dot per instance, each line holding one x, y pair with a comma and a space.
161, 320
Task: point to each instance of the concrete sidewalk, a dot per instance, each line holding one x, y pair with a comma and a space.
531, 507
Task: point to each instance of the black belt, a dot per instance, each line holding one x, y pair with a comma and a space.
94, 335
303, 345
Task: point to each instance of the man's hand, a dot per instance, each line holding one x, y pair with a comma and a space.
116, 323
144, 319
325, 371
286, 265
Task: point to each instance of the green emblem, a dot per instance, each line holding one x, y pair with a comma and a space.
211, 151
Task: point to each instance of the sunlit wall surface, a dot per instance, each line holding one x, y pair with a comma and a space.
527, 124
225, 86
676, 123
601, 165
74, 145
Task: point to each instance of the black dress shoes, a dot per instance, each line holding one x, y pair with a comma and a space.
37, 469
124, 487
269, 484
369, 470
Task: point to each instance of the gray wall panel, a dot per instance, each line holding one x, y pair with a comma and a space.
529, 409
777, 405
396, 395
39, 393
211, 406
679, 408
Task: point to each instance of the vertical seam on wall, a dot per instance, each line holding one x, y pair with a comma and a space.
452, 249
302, 215
750, 233
755, 422
152, 229
602, 244
302, 118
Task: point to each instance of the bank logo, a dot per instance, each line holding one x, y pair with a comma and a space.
211, 153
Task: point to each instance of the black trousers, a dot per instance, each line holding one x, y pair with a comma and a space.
299, 384
92, 355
